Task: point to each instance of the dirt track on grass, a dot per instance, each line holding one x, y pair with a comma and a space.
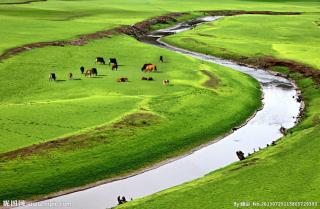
213, 81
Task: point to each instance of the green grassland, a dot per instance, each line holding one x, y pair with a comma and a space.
103, 129
64, 19
108, 128
293, 37
288, 171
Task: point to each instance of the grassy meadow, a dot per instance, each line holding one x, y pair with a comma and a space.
292, 37
287, 172
69, 133
95, 119
64, 19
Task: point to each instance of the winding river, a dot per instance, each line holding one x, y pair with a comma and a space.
280, 109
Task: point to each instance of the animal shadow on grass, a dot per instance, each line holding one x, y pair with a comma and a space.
96, 77
60, 80
101, 75
77, 79
150, 73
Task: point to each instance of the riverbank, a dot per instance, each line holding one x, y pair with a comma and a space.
275, 173
286, 172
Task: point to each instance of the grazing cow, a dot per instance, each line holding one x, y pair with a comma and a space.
100, 60
113, 61
70, 76
161, 58
240, 155
82, 69
52, 77
114, 66
149, 67
88, 73
165, 82
122, 79
94, 71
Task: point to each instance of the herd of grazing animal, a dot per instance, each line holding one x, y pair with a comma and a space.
149, 67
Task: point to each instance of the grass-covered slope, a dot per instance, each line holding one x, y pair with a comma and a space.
35, 110
105, 128
287, 172
97, 120
293, 37
62, 19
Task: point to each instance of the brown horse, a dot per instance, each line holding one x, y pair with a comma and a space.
88, 73
149, 68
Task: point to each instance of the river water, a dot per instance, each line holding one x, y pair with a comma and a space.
280, 109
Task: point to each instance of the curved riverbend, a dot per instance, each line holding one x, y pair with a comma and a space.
280, 109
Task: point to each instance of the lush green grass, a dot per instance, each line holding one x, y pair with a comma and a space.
161, 122
293, 37
99, 118
288, 171
58, 19
25, 124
